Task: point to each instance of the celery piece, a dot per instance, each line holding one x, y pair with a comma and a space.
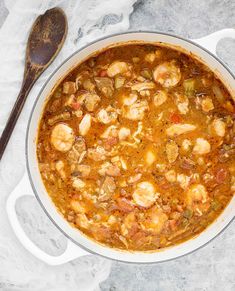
189, 87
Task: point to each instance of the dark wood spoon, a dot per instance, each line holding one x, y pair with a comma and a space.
44, 43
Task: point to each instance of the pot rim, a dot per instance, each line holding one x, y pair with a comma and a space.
27, 154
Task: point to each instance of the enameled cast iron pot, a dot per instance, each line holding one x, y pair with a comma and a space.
78, 244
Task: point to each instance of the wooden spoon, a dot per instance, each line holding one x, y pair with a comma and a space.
44, 43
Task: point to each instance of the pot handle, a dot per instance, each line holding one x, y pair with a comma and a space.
72, 251
210, 41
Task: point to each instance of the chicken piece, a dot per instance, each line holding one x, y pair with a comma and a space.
69, 87
183, 180
150, 157
107, 115
167, 74
159, 98
197, 198
178, 129
82, 170
81, 78
111, 131
134, 179
130, 99
107, 189
109, 169
128, 223
60, 117
186, 145
78, 148
125, 205
105, 85
143, 86
88, 85
201, 147
91, 101
157, 220
207, 104
145, 194
85, 124
117, 68
182, 103
78, 183
112, 220
124, 133
77, 206
119, 82
218, 127
123, 164
135, 111
171, 176
83, 221
60, 168
62, 137
97, 154
150, 57
172, 151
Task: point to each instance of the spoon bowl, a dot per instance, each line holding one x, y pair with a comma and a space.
46, 37
44, 43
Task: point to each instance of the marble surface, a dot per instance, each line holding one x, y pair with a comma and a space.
212, 267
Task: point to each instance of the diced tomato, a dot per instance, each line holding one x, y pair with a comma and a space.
103, 73
175, 118
112, 141
76, 105
221, 175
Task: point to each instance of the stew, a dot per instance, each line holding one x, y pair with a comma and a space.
136, 147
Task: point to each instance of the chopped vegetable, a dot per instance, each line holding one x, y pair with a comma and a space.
189, 87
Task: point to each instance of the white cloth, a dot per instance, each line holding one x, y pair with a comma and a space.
87, 20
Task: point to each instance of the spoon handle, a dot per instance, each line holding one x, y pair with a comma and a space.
30, 77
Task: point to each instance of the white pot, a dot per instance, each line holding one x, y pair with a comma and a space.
79, 244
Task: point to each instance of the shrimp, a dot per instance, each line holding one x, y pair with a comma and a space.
62, 137
197, 198
145, 194
117, 68
167, 74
